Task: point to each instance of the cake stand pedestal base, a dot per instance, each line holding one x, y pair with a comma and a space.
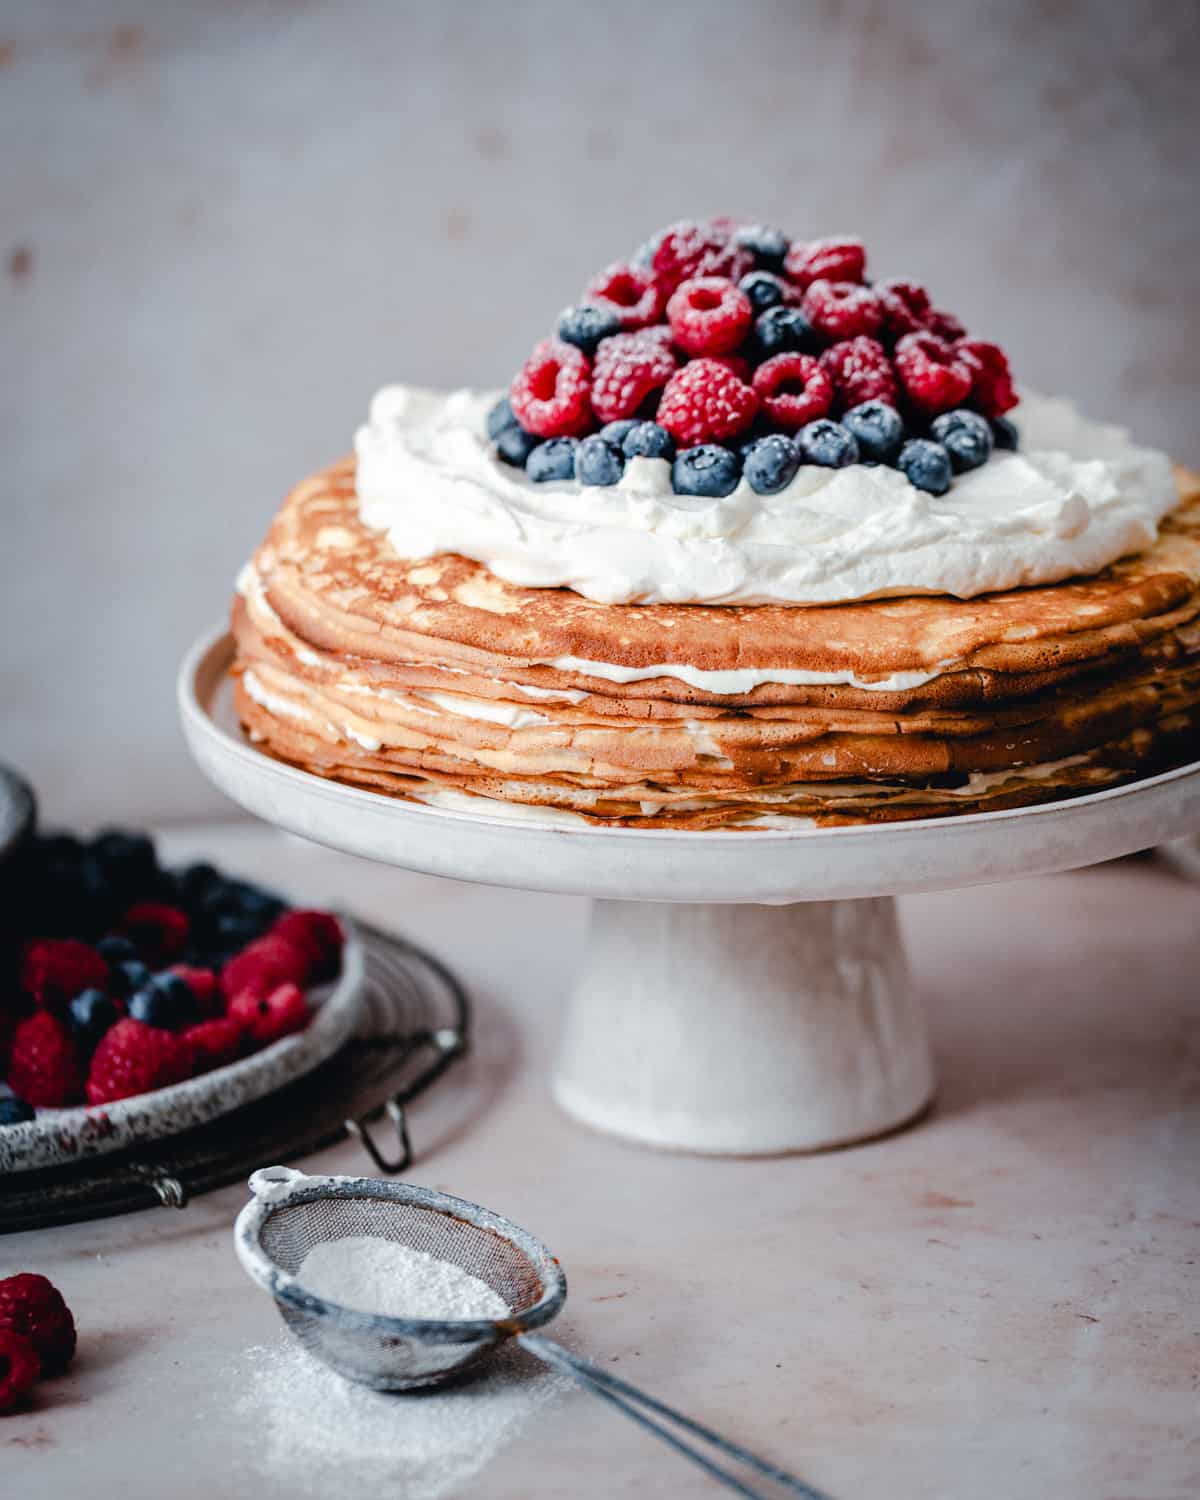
744, 1029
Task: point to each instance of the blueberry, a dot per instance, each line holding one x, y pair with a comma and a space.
553, 459
707, 470
514, 445
617, 432
585, 326
166, 1002
780, 330
599, 462
500, 417
767, 245
253, 900
926, 464
116, 950
14, 1111
92, 1012
234, 929
771, 464
128, 975
827, 443
877, 428
648, 440
196, 879
966, 437
763, 289
643, 256
1005, 434
127, 860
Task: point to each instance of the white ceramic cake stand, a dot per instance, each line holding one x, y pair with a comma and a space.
740, 992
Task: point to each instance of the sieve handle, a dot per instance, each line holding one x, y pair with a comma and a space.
635, 1403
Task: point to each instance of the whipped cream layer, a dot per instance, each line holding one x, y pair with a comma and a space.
1075, 498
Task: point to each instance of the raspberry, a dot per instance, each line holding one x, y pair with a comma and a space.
689, 250
825, 260
793, 389
134, 1058
266, 1018
842, 309
19, 1368
158, 931
860, 371
34, 1308
318, 935
55, 970
709, 315
551, 395
44, 1069
214, 1043
630, 368
736, 364
905, 307
704, 402
264, 965
991, 383
630, 292
945, 325
203, 985
934, 376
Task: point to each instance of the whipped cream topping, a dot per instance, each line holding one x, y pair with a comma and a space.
1076, 497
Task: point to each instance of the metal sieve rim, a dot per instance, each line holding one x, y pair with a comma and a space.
275, 1188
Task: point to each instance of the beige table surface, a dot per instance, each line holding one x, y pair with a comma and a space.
1001, 1302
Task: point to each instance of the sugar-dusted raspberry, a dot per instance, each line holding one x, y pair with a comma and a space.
159, 932
842, 309
264, 965
905, 307
134, 1058
736, 364
704, 402
266, 1018
793, 389
826, 260
33, 1307
629, 292
214, 1043
944, 324
861, 371
551, 395
19, 1368
709, 315
44, 1068
688, 250
934, 376
992, 390
54, 970
630, 370
318, 934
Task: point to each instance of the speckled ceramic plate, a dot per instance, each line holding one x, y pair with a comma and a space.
57, 1136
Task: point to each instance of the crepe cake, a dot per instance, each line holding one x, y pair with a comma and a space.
473, 676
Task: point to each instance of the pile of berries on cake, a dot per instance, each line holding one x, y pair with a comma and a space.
728, 349
119, 976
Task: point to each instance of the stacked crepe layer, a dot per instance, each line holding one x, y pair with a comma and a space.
437, 681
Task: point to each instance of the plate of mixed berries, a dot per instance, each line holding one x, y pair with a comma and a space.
137, 1001
733, 351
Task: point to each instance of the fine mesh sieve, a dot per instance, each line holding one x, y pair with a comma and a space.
290, 1213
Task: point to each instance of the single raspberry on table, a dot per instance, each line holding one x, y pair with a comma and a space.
19, 1368
935, 377
835, 259
630, 369
842, 309
214, 1043
991, 381
318, 934
44, 1068
266, 1018
688, 250
709, 315
704, 402
204, 985
55, 970
133, 1058
33, 1307
159, 932
905, 307
793, 390
631, 292
861, 371
551, 394
264, 965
